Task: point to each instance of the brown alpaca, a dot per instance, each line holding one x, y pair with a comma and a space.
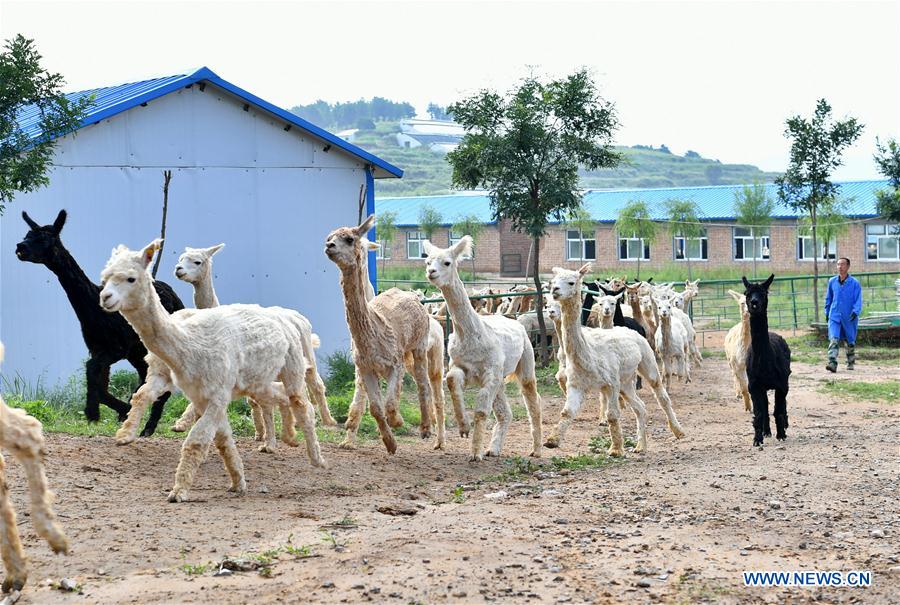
386, 331
21, 434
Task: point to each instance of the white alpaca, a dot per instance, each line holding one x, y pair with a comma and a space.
484, 350
737, 347
678, 304
605, 310
215, 355
23, 436
555, 313
671, 343
607, 361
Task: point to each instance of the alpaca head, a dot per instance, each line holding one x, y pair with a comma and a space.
608, 304
347, 247
441, 263
678, 300
741, 301
554, 311
647, 305
126, 280
41, 244
616, 283
634, 292
566, 284
664, 306
195, 264
757, 295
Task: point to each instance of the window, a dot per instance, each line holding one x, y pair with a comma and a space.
694, 248
383, 251
805, 248
454, 239
745, 248
882, 242
574, 250
633, 248
414, 241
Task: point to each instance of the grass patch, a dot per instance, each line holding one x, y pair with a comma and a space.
809, 349
519, 468
888, 390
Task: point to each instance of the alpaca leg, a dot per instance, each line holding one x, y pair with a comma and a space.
186, 420
640, 415
224, 441
781, 418
42, 515
155, 384
316, 388
456, 382
264, 409
259, 422
93, 377
603, 408
436, 377
304, 411
156, 411
289, 419
137, 360
760, 412
574, 400
617, 443
528, 386
483, 403
119, 407
503, 415
393, 394
11, 547
663, 400
355, 413
423, 387
561, 379
196, 445
373, 393
744, 391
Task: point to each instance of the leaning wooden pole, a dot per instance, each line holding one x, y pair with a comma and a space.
167, 177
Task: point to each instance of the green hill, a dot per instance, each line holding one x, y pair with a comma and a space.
426, 173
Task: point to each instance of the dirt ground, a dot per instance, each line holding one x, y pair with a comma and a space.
677, 524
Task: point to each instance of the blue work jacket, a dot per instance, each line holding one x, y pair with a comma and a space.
843, 302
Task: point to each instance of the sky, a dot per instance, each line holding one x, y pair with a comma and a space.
717, 77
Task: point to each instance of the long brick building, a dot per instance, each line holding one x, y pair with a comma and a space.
869, 241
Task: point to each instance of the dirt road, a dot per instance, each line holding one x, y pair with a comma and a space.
677, 524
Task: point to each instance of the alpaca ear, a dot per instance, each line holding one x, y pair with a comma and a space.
213, 249
371, 245
585, 269
28, 220
769, 281
149, 250
620, 295
735, 295
366, 225
463, 247
60, 221
746, 283
429, 248
557, 270
650, 281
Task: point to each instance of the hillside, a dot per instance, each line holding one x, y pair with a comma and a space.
426, 173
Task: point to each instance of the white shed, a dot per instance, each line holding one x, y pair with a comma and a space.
264, 181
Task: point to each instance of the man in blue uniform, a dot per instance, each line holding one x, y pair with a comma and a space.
843, 304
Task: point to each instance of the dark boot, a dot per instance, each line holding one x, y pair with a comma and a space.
833, 345
851, 356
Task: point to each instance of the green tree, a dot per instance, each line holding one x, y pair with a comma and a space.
684, 215
580, 219
430, 220
24, 161
816, 148
469, 225
753, 208
525, 147
634, 220
887, 158
831, 224
385, 230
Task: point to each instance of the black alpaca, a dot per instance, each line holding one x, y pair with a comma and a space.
768, 364
108, 336
589, 300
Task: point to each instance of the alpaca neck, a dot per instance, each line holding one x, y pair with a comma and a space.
606, 321
83, 294
356, 307
205, 294
665, 324
636, 313
157, 330
759, 335
465, 319
745, 328
570, 328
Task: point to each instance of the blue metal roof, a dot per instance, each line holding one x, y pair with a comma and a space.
715, 202
451, 207
112, 100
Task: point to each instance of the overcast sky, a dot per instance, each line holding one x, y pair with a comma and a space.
717, 77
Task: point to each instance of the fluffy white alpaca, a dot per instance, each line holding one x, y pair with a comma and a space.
607, 361
435, 368
678, 303
215, 355
484, 350
737, 347
555, 313
386, 331
22, 435
671, 343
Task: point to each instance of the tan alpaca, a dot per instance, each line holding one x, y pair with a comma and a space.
737, 347
21, 434
633, 297
385, 332
484, 350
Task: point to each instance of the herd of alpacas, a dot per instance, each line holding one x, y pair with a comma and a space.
216, 353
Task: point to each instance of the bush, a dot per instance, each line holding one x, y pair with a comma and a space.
341, 372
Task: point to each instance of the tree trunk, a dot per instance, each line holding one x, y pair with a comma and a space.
167, 177
639, 263
812, 214
542, 332
753, 239
473, 263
